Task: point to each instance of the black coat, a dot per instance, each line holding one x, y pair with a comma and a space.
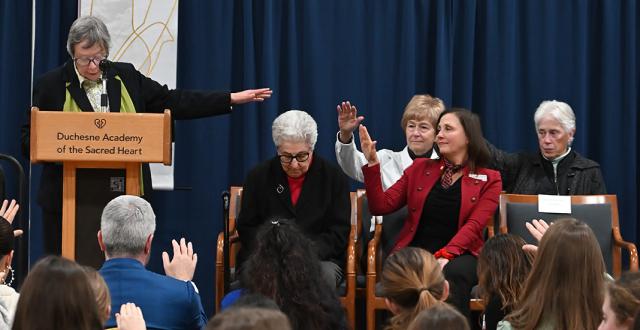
322, 212
146, 94
532, 174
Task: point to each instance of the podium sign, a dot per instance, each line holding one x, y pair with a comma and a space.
100, 137
97, 140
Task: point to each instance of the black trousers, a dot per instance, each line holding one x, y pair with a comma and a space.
461, 275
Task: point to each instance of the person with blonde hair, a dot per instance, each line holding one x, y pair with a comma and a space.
412, 281
418, 122
440, 317
565, 289
621, 302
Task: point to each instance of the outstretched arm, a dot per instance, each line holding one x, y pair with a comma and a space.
251, 95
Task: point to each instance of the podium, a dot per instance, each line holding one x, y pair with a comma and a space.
95, 140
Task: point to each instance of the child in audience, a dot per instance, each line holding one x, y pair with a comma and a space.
249, 318
285, 268
621, 302
412, 281
565, 289
440, 317
503, 267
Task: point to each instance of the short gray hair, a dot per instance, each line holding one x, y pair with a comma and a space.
295, 126
90, 29
560, 111
126, 223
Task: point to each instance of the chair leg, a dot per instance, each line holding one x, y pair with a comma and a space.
371, 315
351, 315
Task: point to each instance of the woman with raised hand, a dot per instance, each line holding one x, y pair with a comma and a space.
450, 200
565, 289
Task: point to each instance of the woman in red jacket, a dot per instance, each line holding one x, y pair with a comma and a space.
449, 200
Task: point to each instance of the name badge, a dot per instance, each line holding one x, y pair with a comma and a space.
481, 177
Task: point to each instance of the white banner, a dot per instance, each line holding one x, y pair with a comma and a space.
144, 33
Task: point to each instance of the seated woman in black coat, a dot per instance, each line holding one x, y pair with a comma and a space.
297, 184
556, 169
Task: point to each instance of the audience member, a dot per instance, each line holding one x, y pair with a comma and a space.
621, 302
449, 200
101, 292
56, 294
8, 295
565, 289
249, 318
412, 281
503, 267
556, 169
439, 317
298, 184
125, 236
283, 268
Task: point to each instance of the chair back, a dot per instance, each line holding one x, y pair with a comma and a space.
600, 212
392, 224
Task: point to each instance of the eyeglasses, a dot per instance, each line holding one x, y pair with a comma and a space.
84, 61
300, 157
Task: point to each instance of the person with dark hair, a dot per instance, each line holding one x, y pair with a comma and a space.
298, 184
412, 281
283, 268
439, 317
56, 294
621, 303
249, 318
503, 267
76, 86
449, 200
566, 285
255, 300
8, 295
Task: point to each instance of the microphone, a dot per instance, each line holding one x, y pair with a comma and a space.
105, 65
226, 197
104, 99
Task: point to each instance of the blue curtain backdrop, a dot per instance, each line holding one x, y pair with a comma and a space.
498, 58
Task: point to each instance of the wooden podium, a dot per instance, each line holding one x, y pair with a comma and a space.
101, 141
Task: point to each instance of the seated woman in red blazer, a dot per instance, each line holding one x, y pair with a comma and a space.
449, 199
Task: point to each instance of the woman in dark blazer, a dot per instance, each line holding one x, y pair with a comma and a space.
297, 184
449, 200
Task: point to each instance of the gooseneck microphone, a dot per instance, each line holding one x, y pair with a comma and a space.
104, 65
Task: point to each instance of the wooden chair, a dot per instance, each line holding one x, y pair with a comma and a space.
600, 212
347, 290
375, 260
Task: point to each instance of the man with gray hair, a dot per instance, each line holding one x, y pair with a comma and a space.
125, 236
79, 86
